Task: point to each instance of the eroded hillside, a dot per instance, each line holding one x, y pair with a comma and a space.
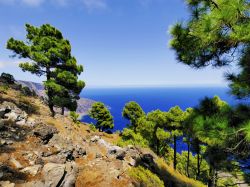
38, 150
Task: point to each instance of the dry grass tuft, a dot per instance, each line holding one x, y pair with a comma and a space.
171, 176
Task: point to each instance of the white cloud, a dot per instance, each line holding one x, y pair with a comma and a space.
32, 2
95, 4
8, 63
60, 2
89, 4
25, 2
7, 1
2, 65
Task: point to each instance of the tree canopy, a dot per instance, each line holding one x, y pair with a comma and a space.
101, 114
217, 33
132, 111
49, 54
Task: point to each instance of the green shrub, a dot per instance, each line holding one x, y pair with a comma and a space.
4, 89
92, 127
26, 91
8, 78
129, 137
74, 116
144, 178
25, 104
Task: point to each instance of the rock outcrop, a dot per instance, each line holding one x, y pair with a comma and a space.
42, 154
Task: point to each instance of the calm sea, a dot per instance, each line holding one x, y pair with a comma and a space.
151, 99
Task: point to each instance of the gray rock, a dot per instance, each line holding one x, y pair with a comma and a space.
79, 152
6, 184
33, 184
95, 138
32, 170
16, 163
120, 155
12, 116
45, 132
58, 159
132, 162
2, 112
21, 122
115, 150
53, 173
98, 155
103, 143
8, 106
70, 178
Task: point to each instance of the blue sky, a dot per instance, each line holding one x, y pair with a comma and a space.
119, 42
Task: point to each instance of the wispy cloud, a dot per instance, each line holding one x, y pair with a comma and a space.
25, 2
95, 4
89, 4
32, 2
8, 63
7, 1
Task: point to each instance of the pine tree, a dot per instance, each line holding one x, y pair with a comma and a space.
211, 128
101, 114
132, 111
160, 136
188, 133
175, 118
49, 54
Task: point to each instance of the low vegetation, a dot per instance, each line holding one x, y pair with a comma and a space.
144, 177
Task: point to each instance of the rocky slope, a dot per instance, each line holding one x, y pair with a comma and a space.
37, 150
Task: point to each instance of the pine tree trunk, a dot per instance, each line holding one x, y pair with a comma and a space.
51, 107
198, 163
62, 112
175, 159
157, 146
50, 103
156, 141
188, 159
212, 177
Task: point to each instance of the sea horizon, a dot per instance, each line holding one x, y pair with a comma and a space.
152, 98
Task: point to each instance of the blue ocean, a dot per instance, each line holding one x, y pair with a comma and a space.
152, 99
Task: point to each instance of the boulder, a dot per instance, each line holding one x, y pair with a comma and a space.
6, 184
79, 152
15, 163
12, 116
95, 138
115, 150
120, 155
63, 175
45, 132
70, 178
7, 106
32, 170
53, 174
33, 184
11, 112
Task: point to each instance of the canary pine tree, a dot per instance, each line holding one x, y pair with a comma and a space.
175, 118
100, 113
49, 55
132, 111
